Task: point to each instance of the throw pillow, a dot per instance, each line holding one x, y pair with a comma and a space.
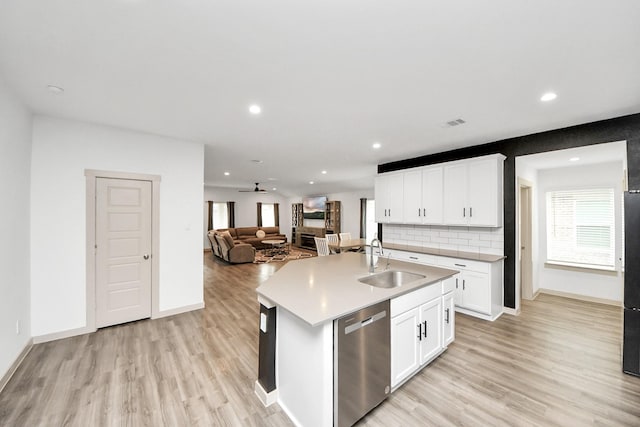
227, 238
260, 234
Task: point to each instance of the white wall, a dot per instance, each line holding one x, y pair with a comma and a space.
15, 167
591, 284
62, 150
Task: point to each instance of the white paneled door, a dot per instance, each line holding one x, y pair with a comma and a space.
123, 251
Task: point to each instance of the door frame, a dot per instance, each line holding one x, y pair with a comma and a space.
522, 184
91, 175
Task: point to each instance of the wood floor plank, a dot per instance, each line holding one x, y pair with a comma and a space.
557, 364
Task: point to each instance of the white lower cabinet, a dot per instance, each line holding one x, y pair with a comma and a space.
448, 319
478, 287
416, 331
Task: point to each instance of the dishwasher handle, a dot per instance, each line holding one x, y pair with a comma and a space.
368, 321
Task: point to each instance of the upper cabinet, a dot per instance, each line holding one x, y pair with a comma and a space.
465, 193
423, 196
473, 192
388, 196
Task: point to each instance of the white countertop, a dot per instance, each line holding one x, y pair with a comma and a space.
325, 288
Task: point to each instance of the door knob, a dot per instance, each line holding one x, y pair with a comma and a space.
145, 256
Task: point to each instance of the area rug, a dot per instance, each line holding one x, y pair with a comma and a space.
266, 255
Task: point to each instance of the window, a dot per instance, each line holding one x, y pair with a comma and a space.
268, 215
581, 228
220, 215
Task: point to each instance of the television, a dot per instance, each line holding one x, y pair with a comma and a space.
313, 207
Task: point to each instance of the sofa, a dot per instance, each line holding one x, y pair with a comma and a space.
223, 246
248, 235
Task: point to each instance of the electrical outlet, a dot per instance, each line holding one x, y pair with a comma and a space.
17, 327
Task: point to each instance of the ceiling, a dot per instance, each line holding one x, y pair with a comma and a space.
579, 156
332, 77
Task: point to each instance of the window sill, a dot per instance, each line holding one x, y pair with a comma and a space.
580, 267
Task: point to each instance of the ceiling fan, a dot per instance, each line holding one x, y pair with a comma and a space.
255, 190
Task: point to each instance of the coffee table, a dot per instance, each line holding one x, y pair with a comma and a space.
277, 246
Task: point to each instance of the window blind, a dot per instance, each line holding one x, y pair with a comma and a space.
581, 227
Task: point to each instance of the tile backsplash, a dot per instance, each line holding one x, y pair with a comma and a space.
482, 240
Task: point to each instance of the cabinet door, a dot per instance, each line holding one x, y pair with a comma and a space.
476, 292
448, 319
455, 194
457, 292
432, 196
412, 203
483, 192
395, 197
430, 321
405, 357
381, 198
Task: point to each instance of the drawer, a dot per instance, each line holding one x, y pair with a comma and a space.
464, 264
415, 298
414, 257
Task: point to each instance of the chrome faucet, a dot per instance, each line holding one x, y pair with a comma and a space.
371, 265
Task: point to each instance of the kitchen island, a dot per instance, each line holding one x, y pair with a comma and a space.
299, 305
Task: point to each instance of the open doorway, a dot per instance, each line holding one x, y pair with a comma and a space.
550, 188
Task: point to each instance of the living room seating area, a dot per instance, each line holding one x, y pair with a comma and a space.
238, 245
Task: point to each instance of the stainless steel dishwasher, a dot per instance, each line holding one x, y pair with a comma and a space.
362, 370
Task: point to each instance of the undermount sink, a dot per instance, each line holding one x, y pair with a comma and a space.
390, 278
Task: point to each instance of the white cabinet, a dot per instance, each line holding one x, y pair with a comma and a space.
416, 331
478, 287
473, 192
388, 196
448, 319
423, 190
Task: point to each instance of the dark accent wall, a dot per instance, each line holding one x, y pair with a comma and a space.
625, 128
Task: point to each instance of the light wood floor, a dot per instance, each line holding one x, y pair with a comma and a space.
558, 363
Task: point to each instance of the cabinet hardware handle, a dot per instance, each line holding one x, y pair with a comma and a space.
413, 257
389, 211
419, 331
460, 265
456, 283
463, 287
425, 328
424, 212
418, 211
446, 319
464, 212
470, 212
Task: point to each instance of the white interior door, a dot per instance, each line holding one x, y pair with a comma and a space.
123, 251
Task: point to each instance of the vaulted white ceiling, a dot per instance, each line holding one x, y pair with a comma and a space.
332, 77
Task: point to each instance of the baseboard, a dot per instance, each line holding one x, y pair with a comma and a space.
178, 310
511, 311
267, 399
580, 297
16, 364
61, 335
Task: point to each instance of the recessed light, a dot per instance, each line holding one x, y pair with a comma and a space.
255, 109
274, 189
311, 182
55, 89
324, 172
226, 174
549, 96
574, 159
376, 145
